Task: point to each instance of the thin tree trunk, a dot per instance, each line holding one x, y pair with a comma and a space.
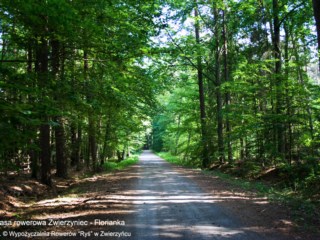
32, 143
73, 138
226, 79
186, 153
62, 168
278, 80
4, 46
218, 90
79, 149
177, 136
205, 157
61, 165
242, 149
91, 121
316, 10
76, 134
45, 153
106, 148
288, 102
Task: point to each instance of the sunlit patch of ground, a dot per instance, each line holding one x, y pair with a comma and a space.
110, 196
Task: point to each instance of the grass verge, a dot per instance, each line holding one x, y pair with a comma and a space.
174, 159
112, 166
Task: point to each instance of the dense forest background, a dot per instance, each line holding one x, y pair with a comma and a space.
228, 83
253, 68
74, 89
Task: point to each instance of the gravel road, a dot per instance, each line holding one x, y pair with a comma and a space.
169, 205
155, 200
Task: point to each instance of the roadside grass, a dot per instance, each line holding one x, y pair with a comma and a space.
174, 159
113, 165
304, 210
170, 158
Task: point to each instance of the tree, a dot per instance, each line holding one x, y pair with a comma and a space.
83, 70
253, 80
316, 10
205, 157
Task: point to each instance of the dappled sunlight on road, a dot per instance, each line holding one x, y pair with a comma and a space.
158, 201
170, 205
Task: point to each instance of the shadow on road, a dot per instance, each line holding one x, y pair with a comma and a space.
154, 200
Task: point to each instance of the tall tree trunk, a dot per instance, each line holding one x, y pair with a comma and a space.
91, 121
289, 138
33, 142
226, 79
61, 163
316, 10
45, 153
76, 132
218, 89
278, 80
205, 157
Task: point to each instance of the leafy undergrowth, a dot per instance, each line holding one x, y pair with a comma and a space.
291, 185
174, 159
113, 165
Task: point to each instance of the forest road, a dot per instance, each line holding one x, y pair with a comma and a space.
169, 204
155, 200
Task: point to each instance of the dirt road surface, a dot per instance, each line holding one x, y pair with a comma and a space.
170, 204
156, 200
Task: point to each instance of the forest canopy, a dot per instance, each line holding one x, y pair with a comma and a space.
226, 82
74, 91
245, 93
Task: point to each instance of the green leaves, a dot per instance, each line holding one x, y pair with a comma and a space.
259, 106
80, 62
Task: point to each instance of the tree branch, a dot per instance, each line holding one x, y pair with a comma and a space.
192, 64
289, 13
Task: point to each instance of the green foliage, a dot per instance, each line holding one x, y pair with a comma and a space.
300, 178
310, 186
95, 80
176, 159
112, 166
176, 127
270, 115
111, 75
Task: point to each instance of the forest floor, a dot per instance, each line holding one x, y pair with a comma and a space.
150, 200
